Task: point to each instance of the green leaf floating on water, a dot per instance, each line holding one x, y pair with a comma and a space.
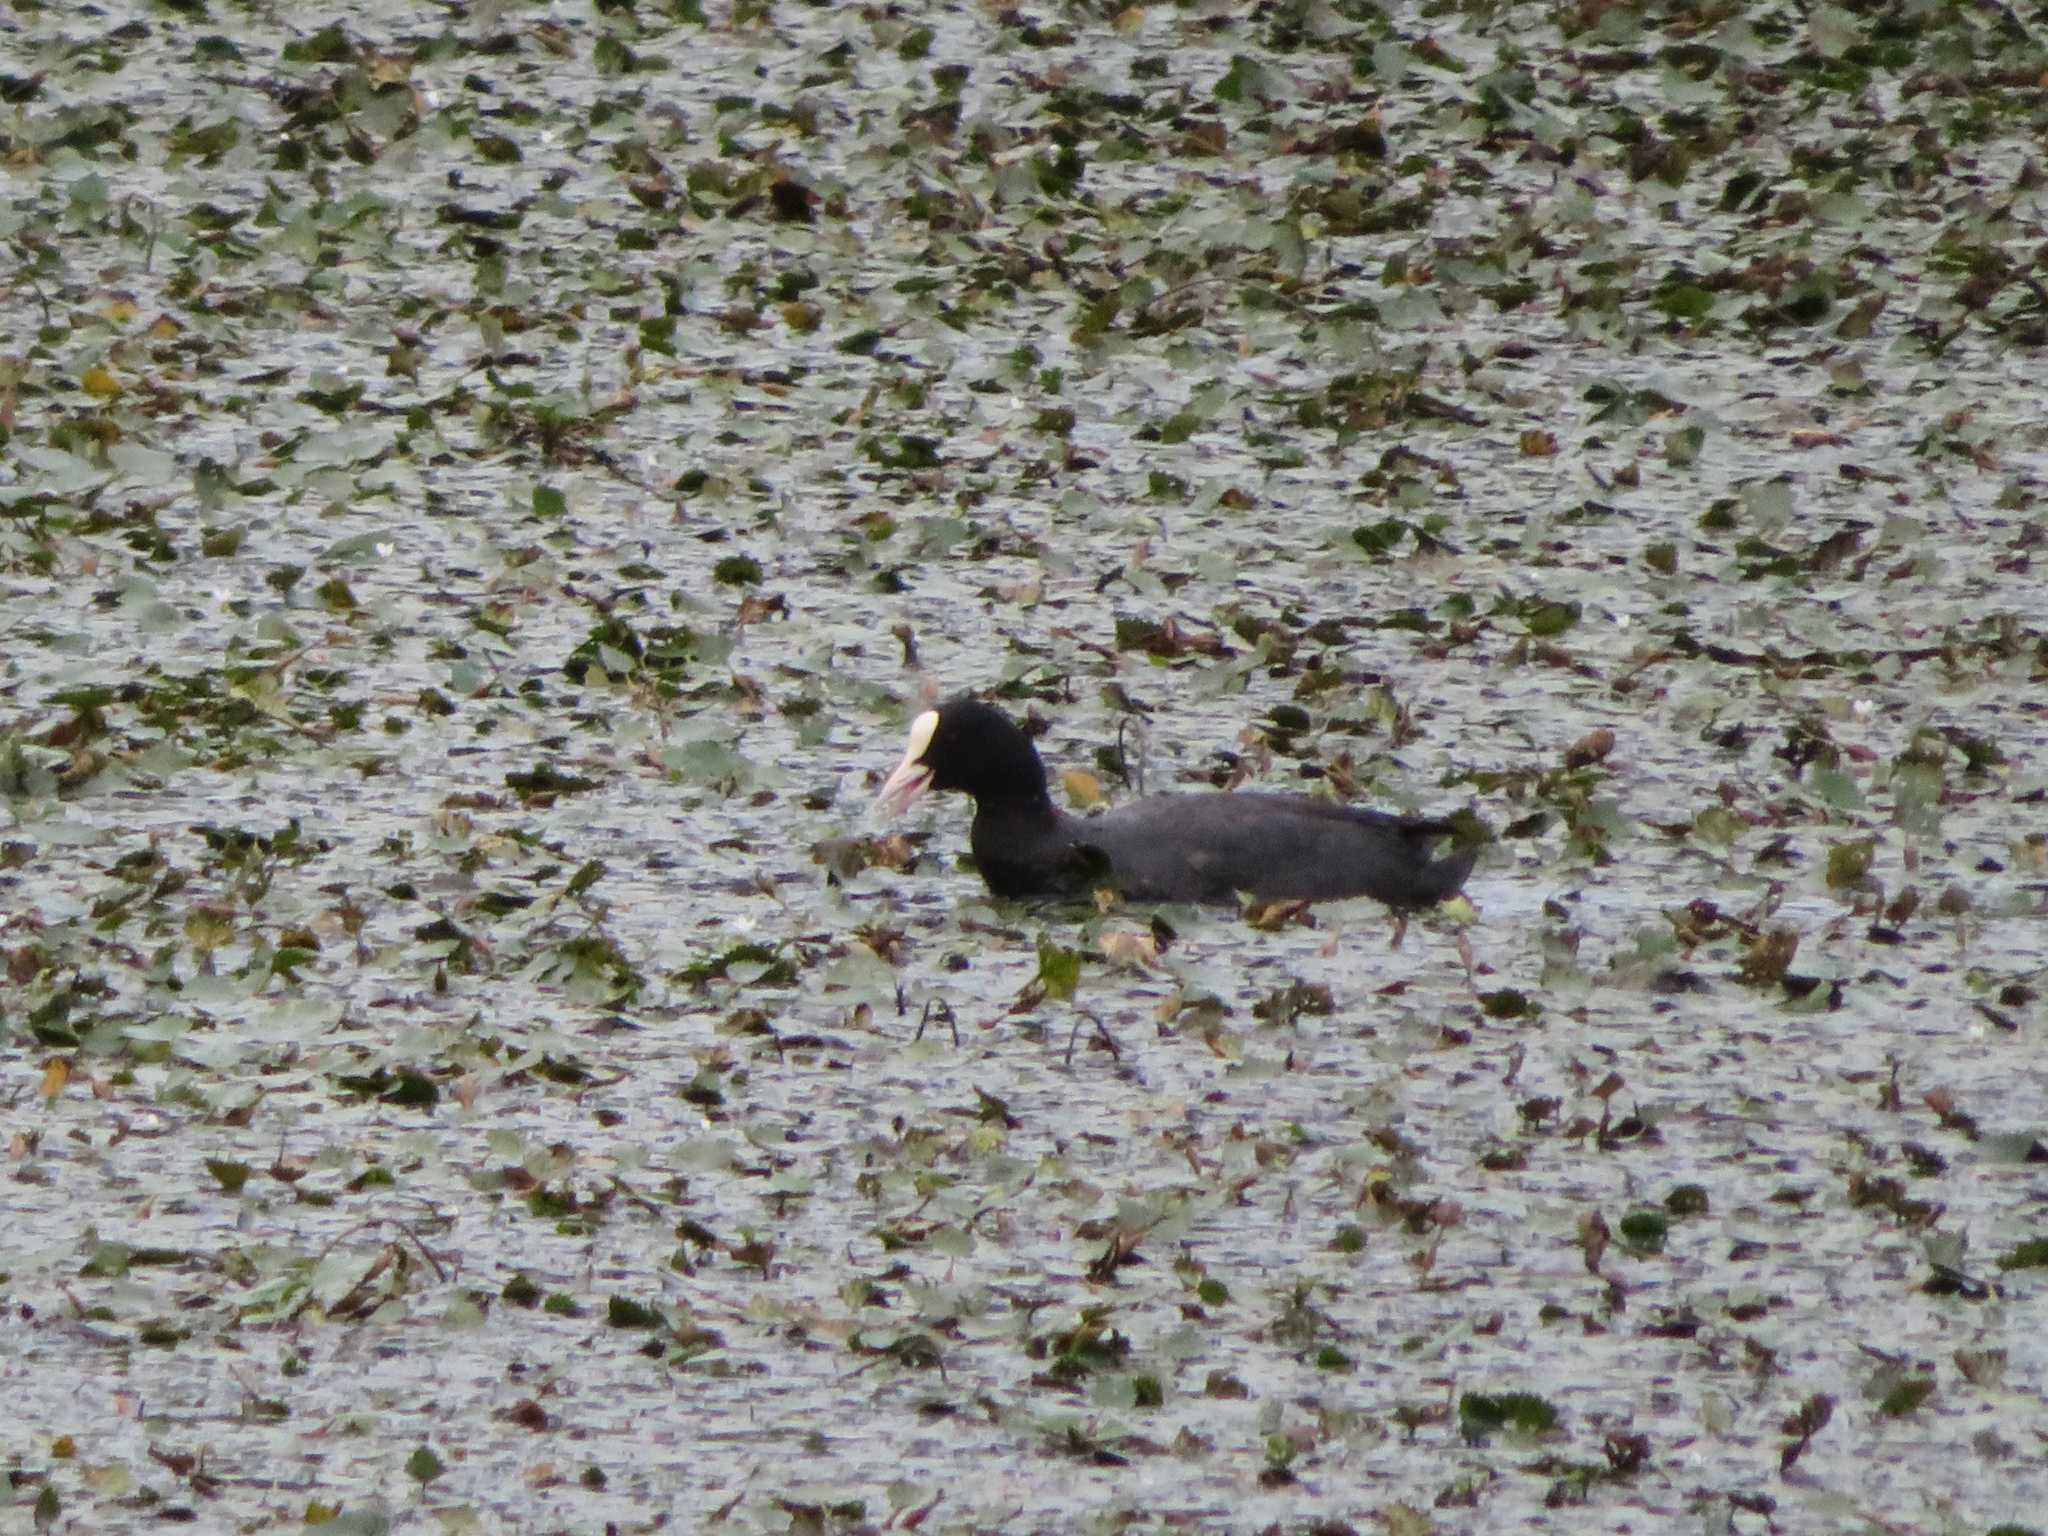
1059, 969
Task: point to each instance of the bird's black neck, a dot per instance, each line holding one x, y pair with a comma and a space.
1015, 838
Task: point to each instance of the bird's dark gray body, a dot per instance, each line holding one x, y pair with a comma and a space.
1218, 847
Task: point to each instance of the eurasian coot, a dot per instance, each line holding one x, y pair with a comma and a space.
1215, 846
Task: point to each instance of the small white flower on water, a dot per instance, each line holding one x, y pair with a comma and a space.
384, 548
1863, 709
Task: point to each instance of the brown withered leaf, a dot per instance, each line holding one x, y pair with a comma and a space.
1270, 916
758, 607
1593, 1239
1769, 956
528, 1414
1590, 748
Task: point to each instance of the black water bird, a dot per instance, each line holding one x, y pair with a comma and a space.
1210, 847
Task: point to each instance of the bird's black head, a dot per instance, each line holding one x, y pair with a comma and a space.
970, 746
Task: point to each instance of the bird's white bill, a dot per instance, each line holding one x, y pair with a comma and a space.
911, 778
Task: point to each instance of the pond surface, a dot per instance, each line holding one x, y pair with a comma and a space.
485, 491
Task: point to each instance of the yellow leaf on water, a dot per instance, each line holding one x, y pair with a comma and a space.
1406, 1520
1135, 951
56, 1073
1084, 790
99, 383
388, 68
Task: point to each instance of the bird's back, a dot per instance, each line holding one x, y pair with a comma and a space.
1214, 847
